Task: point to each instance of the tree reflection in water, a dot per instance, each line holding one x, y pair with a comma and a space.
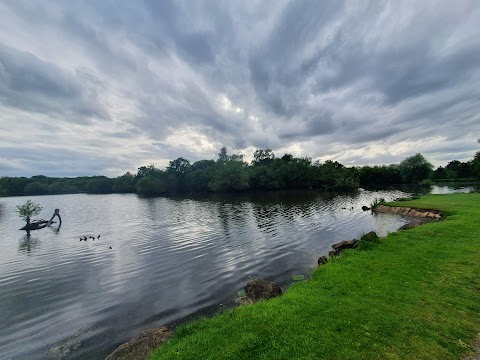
27, 244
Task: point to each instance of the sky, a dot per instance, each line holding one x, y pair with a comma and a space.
93, 87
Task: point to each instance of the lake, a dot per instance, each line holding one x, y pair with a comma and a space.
157, 261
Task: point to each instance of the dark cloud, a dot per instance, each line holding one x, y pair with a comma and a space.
28, 83
127, 81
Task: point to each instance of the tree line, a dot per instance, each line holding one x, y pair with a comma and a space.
230, 173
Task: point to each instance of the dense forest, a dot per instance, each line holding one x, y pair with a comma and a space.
230, 173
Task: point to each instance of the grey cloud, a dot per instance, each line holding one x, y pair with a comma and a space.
311, 72
31, 84
29, 161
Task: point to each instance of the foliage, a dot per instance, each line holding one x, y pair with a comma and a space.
151, 186
124, 184
415, 169
374, 176
427, 182
476, 165
377, 202
27, 210
178, 166
229, 173
230, 177
455, 170
263, 157
408, 296
99, 185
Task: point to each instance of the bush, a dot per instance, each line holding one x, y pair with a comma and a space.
377, 202
27, 210
427, 182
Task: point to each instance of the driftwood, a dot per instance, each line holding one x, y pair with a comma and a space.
40, 224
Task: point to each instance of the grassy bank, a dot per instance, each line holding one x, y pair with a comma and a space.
413, 295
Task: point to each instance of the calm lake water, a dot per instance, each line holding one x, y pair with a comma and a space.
158, 261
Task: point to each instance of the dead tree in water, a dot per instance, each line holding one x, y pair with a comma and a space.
40, 224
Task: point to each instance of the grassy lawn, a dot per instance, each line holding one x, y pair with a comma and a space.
413, 295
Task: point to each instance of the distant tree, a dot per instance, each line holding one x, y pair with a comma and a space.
149, 170
476, 165
199, 174
178, 166
13, 186
36, 188
151, 186
459, 169
441, 173
69, 186
99, 185
237, 156
233, 176
124, 184
263, 157
28, 210
287, 157
415, 169
223, 155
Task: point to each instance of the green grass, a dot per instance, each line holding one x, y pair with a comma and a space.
413, 295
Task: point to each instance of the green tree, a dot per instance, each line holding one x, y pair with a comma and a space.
415, 169
27, 210
124, 184
149, 170
199, 175
223, 155
263, 157
99, 185
151, 186
476, 164
232, 176
178, 166
36, 188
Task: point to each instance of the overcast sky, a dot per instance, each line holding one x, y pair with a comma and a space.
103, 87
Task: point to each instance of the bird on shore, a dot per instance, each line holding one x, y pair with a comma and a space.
84, 238
98, 237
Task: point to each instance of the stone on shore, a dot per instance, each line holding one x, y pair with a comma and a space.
259, 289
322, 260
345, 244
141, 345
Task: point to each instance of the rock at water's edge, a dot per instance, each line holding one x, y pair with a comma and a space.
322, 260
259, 289
345, 244
141, 345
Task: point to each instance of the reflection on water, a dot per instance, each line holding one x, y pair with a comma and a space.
449, 189
27, 244
158, 261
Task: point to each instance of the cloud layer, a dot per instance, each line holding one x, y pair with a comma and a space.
90, 87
